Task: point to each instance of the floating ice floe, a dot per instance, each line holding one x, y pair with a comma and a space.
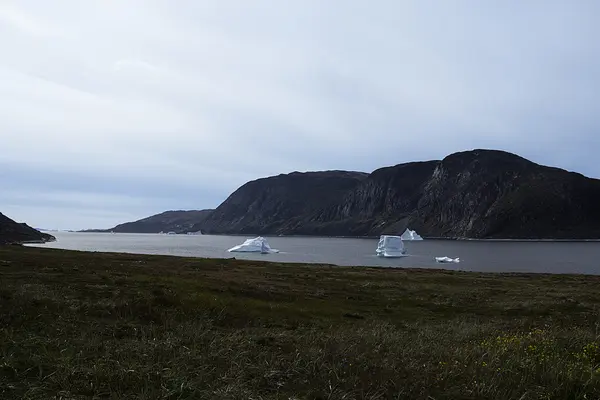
256, 245
390, 247
447, 260
411, 235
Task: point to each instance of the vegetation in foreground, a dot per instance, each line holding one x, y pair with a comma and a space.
77, 325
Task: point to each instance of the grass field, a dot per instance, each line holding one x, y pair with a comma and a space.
77, 325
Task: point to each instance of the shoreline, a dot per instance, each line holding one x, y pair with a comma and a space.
309, 265
459, 239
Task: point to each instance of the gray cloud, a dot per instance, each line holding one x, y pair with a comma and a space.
117, 109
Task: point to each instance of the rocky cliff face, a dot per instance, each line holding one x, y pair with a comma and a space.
475, 194
13, 232
492, 194
382, 203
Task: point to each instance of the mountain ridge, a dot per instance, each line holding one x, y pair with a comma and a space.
474, 194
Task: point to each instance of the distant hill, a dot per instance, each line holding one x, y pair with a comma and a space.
471, 194
13, 232
168, 221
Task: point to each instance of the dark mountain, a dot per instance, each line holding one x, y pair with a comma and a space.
474, 194
13, 232
382, 203
168, 221
493, 194
280, 204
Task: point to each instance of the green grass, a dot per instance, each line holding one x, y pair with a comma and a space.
77, 325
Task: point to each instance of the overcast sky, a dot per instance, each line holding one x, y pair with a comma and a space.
112, 110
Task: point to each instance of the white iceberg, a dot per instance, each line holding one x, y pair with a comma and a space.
256, 245
411, 235
447, 260
390, 246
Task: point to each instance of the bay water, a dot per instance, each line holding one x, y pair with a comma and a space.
557, 257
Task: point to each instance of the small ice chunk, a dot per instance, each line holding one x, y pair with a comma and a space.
256, 245
447, 260
390, 246
411, 235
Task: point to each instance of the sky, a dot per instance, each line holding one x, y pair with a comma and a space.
114, 110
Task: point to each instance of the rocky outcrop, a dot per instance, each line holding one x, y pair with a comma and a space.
383, 203
13, 232
474, 194
169, 221
493, 194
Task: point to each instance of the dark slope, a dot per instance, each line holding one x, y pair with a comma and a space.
475, 194
493, 194
13, 232
168, 221
280, 204
382, 203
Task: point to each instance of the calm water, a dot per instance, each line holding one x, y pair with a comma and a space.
503, 256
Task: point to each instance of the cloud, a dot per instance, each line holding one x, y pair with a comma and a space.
24, 23
175, 106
